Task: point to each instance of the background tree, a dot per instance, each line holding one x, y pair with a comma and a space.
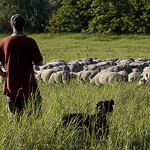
108, 16
35, 12
53, 6
72, 16
90, 16
86, 16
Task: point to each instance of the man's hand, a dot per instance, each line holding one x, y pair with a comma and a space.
40, 63
2, 73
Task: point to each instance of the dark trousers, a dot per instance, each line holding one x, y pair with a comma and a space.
16, 106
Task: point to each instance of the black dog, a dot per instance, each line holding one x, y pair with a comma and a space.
96, 123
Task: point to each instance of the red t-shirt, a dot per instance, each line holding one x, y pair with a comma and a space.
17, 54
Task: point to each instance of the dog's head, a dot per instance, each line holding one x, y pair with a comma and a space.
105, 107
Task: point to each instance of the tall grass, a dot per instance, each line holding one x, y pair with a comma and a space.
130, 123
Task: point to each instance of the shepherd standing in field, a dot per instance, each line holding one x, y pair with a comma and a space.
17, 54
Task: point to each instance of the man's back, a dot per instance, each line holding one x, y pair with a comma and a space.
17, 55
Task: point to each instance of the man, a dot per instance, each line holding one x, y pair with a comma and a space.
17, 54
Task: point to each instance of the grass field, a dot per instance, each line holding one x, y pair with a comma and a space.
130, 123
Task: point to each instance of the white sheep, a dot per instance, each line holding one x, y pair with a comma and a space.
115, 68
90, 67
105, 77
38, 74
124, 61
95, 80
146, 69
105, 63
52, 63
145, 78
60, 77
126, 67
75, 67
62, 67
85, 76
134, 76
109, 77
140, 65
123, 75
85, 61
141, 59
146, 75
57, 62
45, 74
46, 66
136, 70
96, 60
142, 81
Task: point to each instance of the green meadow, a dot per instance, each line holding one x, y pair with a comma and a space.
130, 122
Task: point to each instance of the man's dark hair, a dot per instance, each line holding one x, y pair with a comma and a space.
18, 21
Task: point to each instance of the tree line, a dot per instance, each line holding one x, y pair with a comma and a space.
36, 12
79, 16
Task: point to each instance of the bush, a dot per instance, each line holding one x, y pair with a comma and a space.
90, 16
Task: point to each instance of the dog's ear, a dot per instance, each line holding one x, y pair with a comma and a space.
111, 102
99, 103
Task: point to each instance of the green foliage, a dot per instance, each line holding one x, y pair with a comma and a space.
129, 125
53, 6
82, 16
34, 11
71, 17
90, 16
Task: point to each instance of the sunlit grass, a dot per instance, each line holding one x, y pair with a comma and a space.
76, 46
129, 127
130, 123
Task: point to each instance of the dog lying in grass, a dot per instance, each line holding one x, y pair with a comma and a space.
96, 124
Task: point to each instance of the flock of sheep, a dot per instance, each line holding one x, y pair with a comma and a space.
95, 71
